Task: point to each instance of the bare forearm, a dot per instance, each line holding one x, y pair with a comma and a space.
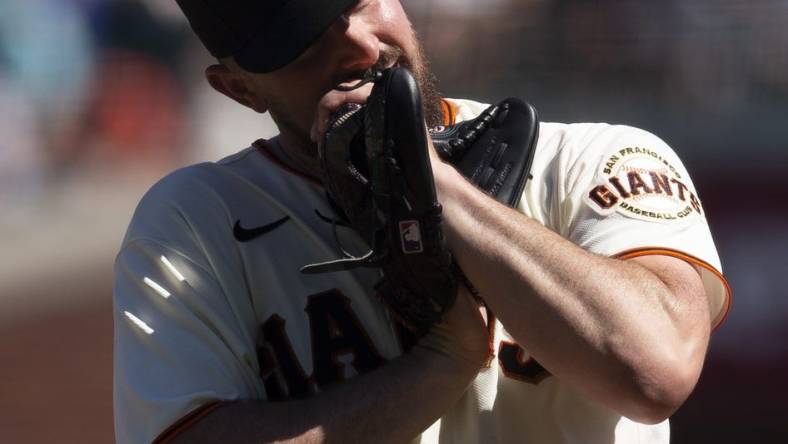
609, 327
392, 404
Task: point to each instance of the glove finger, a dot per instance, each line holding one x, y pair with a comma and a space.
330, 102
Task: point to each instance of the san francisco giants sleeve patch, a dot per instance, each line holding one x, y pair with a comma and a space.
642, 183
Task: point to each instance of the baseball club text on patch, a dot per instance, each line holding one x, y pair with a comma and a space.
641, 183
410, 234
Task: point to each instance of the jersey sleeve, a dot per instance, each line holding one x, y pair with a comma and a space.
181, 341
626, 193
178, 344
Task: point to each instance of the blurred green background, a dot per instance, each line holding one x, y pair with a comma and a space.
100, 98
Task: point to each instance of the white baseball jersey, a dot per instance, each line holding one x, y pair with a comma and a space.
210, 305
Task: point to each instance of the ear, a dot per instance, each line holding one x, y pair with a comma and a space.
233, 85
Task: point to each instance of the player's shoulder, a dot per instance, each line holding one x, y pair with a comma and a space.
205, 173
584, 141
199, 181
188, 198
180, 187
563, 134
595, 135
580, 146
576, 154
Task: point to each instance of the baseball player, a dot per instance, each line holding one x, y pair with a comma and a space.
603, 285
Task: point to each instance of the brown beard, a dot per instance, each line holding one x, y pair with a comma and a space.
430, 97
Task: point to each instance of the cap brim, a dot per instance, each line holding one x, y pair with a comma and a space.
296, 26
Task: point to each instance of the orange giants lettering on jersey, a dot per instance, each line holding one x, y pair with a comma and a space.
641, 183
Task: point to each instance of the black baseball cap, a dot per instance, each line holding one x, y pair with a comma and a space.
261, 35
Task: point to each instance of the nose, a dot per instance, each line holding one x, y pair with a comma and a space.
359, 46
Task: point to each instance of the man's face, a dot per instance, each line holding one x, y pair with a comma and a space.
373, 34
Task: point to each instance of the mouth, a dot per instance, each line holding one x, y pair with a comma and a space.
395, 64
360, 78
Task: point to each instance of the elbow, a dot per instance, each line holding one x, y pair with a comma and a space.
655, 405
660, 391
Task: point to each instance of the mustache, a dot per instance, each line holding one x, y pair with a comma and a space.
388, 57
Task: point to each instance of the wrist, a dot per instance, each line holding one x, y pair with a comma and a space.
462, 337
461, 368
455, 196
448, 182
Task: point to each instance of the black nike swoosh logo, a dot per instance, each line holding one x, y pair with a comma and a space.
245, 235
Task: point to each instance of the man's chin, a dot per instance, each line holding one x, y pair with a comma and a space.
430, 97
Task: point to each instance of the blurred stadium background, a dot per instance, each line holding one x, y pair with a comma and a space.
99, 98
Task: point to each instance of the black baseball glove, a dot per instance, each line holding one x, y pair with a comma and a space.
377, 171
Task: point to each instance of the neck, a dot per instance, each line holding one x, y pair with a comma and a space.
298, 154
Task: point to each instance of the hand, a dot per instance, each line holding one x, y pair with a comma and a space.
462, 335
